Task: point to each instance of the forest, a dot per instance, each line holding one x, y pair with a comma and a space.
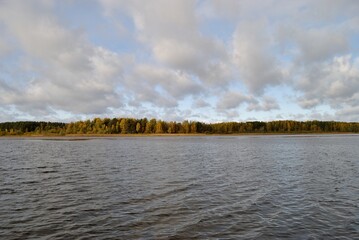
154, 126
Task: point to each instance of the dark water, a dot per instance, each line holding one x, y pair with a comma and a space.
251, 187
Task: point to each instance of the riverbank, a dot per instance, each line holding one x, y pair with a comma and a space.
75, 136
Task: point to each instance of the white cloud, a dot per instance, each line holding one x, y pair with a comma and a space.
171, 30
177, 52
333, 82
161, 86
66, 71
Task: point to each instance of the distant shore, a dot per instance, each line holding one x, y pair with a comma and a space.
74, 136
128, 127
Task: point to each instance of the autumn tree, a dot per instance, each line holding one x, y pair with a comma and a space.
138, 127
124, 126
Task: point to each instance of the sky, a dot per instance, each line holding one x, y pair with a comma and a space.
205, 60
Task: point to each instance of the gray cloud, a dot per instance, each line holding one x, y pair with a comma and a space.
5, 47
232, 100
349, 113
257, 65
308, 103
314, 44
267, 104
321, 44
200, 103
227, 9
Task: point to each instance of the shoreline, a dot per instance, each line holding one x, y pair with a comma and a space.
89, 136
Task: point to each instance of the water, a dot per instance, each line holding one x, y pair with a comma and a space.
246, 187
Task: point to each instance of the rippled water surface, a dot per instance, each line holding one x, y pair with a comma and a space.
246, 187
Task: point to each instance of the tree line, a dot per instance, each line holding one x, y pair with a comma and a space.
20, 128
154, 126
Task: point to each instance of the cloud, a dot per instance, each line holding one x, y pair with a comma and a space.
320, 116
331, 43
172, 33
175, 83
4, 47
200, 103
257, 66
314, 44
267, 104
333, 82
349, 113
6, 115
160, 86
308, 103
63, 70
171, 56
232, 100
227, 9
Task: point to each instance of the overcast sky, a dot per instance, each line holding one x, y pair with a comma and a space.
226, 60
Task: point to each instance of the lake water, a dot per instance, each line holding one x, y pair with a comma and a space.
215, 187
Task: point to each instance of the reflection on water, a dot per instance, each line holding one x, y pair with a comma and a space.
246, 187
